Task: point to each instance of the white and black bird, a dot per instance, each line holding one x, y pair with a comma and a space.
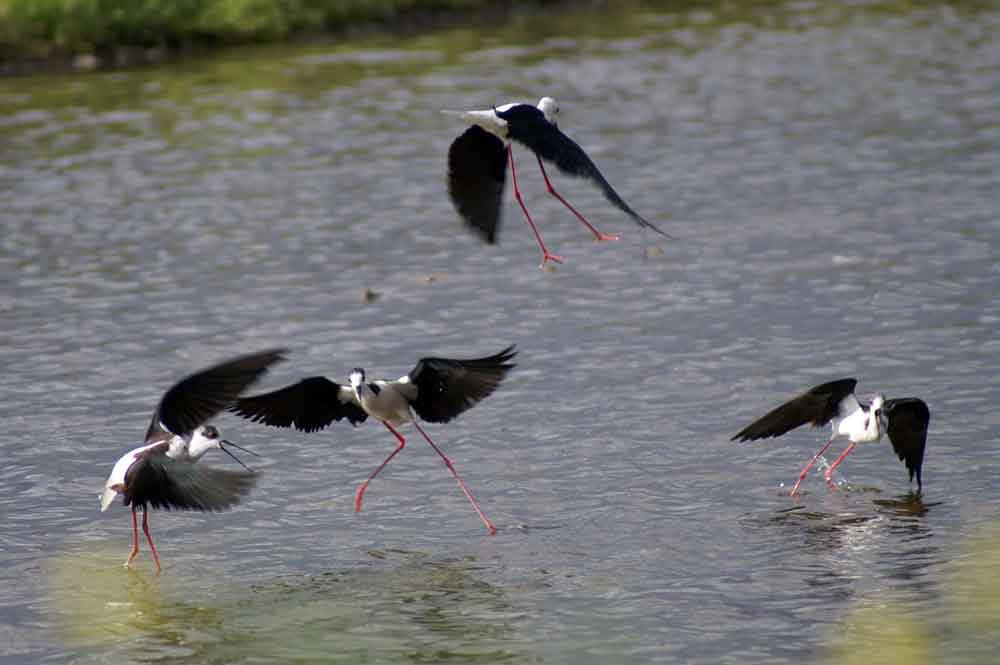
437, 390
904, 420
164, 472
478, 159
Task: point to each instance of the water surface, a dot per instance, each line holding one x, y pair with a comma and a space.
830, 173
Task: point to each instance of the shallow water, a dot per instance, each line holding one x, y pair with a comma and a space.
831, 176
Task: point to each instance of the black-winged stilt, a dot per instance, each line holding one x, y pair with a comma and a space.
904, 420
477, 166
164, 473
437, 390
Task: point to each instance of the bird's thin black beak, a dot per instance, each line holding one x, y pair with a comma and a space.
230, 453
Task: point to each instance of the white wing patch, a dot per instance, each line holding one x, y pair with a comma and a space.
346, 396
118, 472
848, 405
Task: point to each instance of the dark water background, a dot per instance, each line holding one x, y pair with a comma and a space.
831, 173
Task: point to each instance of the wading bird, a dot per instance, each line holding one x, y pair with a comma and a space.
164, 472
904, 420
437, 390
478, 159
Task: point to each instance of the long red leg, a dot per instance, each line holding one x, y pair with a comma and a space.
517, 195
808, 466
135, 538
836, 462
145, 530
468, 495
552, 190
360, 492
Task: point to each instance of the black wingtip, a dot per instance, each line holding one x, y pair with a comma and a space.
644, 223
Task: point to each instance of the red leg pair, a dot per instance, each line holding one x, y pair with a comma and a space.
546, 256
402, 442
829, 472
135, 538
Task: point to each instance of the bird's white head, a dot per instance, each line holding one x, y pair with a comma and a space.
549, 108
203, 439
357, 379
206, 438
877, 415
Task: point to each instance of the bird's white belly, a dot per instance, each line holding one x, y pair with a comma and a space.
858, 428
387, 405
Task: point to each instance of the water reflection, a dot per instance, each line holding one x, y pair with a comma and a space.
895, 537
404, 604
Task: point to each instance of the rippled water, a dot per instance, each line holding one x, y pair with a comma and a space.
831, 174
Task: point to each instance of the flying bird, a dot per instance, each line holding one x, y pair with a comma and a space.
437, 390
478, 159
164, 472
904, 420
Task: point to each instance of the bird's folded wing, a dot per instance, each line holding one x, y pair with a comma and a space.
908, 419
170, 484
817, 406
308, 406
447, 387
193, 400
477, 169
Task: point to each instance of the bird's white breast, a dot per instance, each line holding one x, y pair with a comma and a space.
390, 404
858, 426
118, 472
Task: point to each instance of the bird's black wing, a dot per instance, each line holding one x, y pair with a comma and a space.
477, 169
527, 125
908, 418
308, 406
446, 388
163, 482
817, 406
192, 401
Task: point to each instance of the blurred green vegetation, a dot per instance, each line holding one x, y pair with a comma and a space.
126, 31
885, 629
34, 29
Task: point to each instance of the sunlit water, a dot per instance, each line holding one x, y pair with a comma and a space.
831, 174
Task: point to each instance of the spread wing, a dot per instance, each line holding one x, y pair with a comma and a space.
817, 406
477, 169
192, 401
308, 406
528, 125
446, 387
163, 482
908, 418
